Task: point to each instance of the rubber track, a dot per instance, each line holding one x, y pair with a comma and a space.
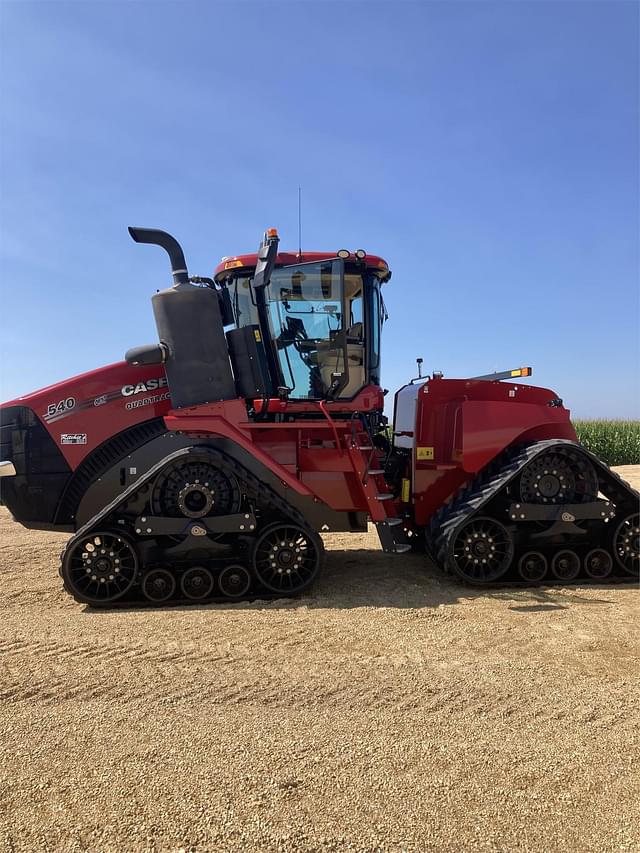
498, 475
256, 492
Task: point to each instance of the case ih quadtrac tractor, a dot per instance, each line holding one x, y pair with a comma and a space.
205, 466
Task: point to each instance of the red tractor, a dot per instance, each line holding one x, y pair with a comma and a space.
204, 467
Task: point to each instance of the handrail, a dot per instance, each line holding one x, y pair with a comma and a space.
323, 408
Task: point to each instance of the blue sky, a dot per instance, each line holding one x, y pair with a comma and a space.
488, 150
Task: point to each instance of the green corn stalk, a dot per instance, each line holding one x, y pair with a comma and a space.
616, 442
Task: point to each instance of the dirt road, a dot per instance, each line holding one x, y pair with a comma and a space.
389, 710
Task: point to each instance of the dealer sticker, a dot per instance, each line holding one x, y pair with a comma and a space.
73, 438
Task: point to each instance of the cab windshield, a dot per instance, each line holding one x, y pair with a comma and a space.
315, 314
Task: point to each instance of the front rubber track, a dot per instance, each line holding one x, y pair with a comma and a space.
213, 553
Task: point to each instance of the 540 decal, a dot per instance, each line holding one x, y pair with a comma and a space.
62, 407
65, 407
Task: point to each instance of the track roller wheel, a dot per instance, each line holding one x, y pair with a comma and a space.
532, 566
481, 551
100, 568
287, 558
561, 475
565, 565
197, 583
598, 563
234, 581
158, 585
626, 544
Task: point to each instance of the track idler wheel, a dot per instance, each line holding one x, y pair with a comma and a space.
565, 565
481, 551
598, 564
287, 558
197, 583
559, 476
158, 585
626, 544
234, 581
100, 568
532, 566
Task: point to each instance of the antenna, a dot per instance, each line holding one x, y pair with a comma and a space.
299, 222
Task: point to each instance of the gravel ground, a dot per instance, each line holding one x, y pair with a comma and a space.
389, 710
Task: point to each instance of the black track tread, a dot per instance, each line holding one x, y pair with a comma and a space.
497, 476
254, 489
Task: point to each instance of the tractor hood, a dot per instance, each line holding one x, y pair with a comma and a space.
81, 413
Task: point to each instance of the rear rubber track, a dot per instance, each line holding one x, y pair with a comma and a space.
487, 498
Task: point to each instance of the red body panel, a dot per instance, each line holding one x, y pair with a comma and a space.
105, 402
463, 424
305, 455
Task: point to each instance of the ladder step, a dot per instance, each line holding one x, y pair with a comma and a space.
375, 471
386, 497
391, 522
402, 549
363, 447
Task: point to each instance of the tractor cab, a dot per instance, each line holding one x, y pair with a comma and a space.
316, 318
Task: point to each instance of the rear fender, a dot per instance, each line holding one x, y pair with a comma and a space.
489, 427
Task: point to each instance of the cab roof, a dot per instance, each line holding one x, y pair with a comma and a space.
238, 263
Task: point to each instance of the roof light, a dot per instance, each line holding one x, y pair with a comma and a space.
343, 253
521, 371
272, 232
231, 264
361, 254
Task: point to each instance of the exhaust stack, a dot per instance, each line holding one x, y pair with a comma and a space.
191, 332
171, 246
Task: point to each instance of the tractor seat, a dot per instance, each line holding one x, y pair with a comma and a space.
354, 333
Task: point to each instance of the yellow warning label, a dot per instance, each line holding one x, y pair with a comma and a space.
405, 491
424, 452
256, 332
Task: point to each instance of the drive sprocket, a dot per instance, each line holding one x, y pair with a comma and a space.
195, 488
559, 476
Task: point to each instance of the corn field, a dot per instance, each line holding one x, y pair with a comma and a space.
615, 442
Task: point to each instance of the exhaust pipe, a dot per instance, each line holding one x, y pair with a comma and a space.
171, 247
